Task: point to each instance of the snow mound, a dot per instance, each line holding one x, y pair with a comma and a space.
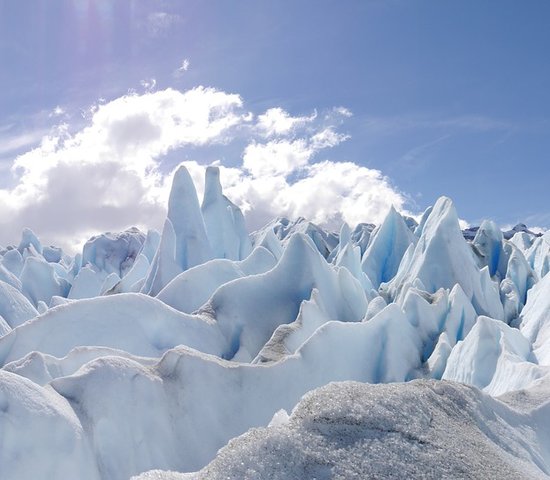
41, 437
43, 368
192, 288
355, 431
136, 323
14, 306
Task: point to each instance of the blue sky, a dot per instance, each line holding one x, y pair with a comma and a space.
447, 98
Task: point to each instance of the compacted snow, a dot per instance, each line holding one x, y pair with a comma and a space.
405, 350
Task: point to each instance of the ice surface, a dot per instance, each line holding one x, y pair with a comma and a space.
494, 357
523, 241
423, 219
43, 368
40, 282
87, 283
183, 243
136, 323
193, 392
41, 437
52, 254
386, 248
361, 234
15, 308
224, 221
520, 278
29, 241
535, 320
488, 246
287, 338
416, 430
442, 259
10, 278
13, 261
538, 255
98, 381
348, 255
162, 475
284, 229
249, 309
268, 240
4, 327
113, 252
192, 288
134, 276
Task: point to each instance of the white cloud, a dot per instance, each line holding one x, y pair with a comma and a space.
327, 138
343, 111
277, 157
108, 175
284, 156
326, 193
277, 121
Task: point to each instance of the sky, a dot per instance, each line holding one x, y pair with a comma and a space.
331, 110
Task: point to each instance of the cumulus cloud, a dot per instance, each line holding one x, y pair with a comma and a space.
109, 175
276, 158
326, 193
276, 121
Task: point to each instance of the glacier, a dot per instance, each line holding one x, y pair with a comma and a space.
411, 349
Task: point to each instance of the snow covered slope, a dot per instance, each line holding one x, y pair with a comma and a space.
356, 431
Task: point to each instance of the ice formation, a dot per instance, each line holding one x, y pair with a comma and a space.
407, 350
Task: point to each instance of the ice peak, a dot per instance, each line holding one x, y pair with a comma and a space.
212, 186
183, 243
183, 196
488, 245
442, 258
386, 248
443, 212
345, 234
224, 221
28, 239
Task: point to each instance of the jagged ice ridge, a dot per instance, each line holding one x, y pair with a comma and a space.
402, 350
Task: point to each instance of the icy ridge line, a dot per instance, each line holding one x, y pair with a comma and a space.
151, 352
